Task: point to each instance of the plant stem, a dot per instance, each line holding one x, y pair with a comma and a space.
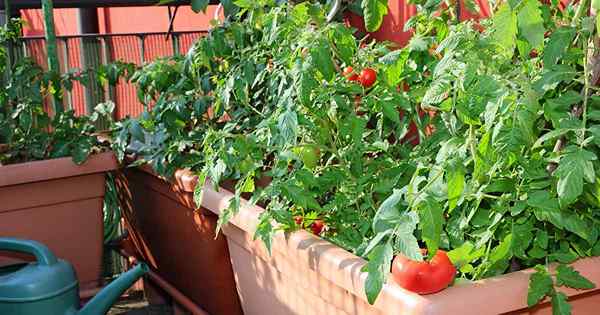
53, 65
583, 5
586, 90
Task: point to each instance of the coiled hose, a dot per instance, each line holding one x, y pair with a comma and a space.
112, 210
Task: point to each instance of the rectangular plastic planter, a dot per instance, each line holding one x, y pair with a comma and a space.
58, 203
178, 240
307, 275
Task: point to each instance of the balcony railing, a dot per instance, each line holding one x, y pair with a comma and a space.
89, 51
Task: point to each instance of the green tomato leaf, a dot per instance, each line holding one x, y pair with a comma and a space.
557, 45
199, 5
523, 235
388, 214
465, 254
499, 256
437, 91
395, 62
288, 127
431, 221
199, 189
321, 56
377, 268
540, 285
560, 304
375, 241
374, 11
390, 111
232, 209
531, 24
455, 176
574, 166
552, 76
568, 276
505, 29
264, 230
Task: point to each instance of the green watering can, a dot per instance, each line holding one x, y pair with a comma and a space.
49, 285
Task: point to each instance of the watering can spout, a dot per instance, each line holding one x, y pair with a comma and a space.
103, 301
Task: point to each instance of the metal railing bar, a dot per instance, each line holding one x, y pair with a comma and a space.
38, 37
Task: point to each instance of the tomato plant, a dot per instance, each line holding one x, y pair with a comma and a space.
504, 176
26, 129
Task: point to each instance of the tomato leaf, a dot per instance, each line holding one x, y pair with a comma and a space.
374, 11
388, 215
264, 230
404, 240
395, 61
552, 76
540, 285
378, 268
199, 189
465, 254
560, 304
505, 28
431, 223
574, 166
568, 276
437, 91
288, 127
455, 175
321, 58
531, 24
228, 213
499, 256
557, 45
199, 5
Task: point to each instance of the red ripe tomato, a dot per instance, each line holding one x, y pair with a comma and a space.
298, 219
317, 227
349, 74
367, 77
424, 277
533, 53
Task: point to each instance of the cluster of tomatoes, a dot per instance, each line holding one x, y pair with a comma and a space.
367, 77
316, 227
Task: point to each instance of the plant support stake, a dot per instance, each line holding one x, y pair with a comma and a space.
53, 67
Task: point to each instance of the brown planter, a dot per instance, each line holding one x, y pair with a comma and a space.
307, 275
178, 240
59, 204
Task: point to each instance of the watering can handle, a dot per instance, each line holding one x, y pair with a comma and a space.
43, 255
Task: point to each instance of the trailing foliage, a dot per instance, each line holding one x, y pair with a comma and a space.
27, 131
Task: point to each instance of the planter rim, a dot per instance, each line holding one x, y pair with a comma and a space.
508, 291
36, 171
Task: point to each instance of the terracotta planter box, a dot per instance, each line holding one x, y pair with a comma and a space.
178, 240
308, 275
59, 204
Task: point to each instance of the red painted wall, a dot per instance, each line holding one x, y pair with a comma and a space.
156, 19
152, 19
121, 20
65, 22
399, 12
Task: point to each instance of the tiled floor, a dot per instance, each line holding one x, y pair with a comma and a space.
136, 305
